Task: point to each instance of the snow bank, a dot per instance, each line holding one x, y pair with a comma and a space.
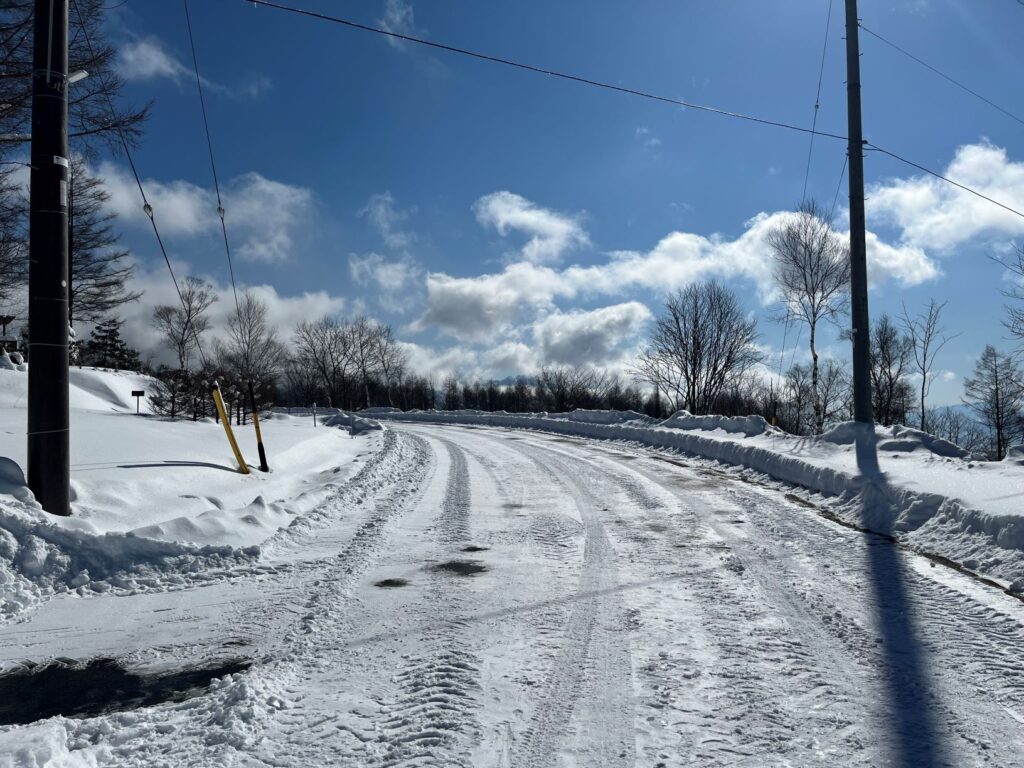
154, 501
40, 554
929, 493
335, 417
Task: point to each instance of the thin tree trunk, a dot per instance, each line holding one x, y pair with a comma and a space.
819, 419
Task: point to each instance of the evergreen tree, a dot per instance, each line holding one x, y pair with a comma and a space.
106, 349
99, 269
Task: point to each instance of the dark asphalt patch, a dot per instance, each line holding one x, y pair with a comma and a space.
461, 567
391, 583
98, 687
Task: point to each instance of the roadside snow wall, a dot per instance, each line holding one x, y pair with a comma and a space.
988, 542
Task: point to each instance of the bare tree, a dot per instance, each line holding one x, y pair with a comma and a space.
927, 338
392, 359
323, 349
835, 391
568, 387
251, 350
798, 412
996, 395
1014, 320
701, 345
183, 324
890, 359
812, 269
957, 427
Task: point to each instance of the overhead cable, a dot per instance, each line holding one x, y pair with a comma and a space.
541, 70
943, 75
213, 162
146, 207
609, 86
817, 99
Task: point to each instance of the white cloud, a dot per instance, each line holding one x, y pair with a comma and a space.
146, 59
594, 337
387, 219
283, 312
263, 216
550, 234
933, 214
391, 277
400, 18
648, 139
477, 308
907, 265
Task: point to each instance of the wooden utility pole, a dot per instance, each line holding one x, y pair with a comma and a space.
858, 238
49, 471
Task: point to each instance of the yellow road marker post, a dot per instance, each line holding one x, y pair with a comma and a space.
219, 402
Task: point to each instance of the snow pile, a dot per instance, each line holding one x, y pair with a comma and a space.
356, 425
741, 425
154, 501
932, 495
9, 363
40, 554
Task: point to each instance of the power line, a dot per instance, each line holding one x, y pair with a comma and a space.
943, 75
817, 99
620, 89
541, 70
839, 186
145, 201
930, 172
213, 163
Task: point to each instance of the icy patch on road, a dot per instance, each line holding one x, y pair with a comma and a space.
930, 494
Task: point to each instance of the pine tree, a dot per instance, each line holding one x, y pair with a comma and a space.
106, 349
99, 269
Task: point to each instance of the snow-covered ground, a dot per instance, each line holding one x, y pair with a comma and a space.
492, 597
930, 494
690, 594
147, 488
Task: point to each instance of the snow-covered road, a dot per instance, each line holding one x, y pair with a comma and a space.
491, 597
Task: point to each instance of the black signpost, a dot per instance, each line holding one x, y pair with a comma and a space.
137, 393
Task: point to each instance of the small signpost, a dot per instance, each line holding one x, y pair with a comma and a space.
137, 393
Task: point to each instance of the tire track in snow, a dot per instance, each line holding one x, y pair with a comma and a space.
454, 522
591, 672
431, 721
813, 574
754, 680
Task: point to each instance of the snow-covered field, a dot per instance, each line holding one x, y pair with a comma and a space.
476, 595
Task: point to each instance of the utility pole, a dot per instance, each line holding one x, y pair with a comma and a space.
48, 407
858, 239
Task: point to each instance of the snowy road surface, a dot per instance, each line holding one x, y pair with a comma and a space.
545, 601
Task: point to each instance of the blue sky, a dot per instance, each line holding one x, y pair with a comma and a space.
501, 220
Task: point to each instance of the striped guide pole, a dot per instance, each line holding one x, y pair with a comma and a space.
264, 467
